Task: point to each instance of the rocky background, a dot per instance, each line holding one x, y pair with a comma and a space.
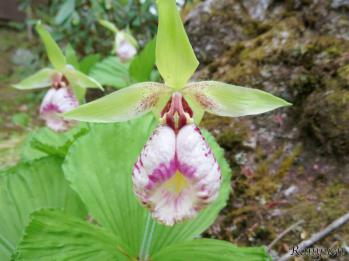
291, 164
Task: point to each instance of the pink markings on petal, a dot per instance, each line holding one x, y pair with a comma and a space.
58, 101
176, 175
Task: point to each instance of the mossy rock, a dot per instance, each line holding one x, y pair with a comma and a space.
326, 117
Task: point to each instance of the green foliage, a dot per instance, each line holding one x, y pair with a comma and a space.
72, 57
210, 250
21, 119
27, 188
44, 142
78, 21
88, 62
66, 10
85, 64
107, 191
77, 239
142, 65
105, 186
111, 72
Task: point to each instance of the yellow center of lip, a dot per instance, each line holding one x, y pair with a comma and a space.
176, 183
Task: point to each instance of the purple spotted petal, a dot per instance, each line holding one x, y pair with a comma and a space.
58, 101
176, 175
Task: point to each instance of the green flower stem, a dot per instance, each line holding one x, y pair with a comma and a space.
147, 239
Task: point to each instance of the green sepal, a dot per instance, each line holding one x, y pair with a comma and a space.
230, 100
40, 79
175, 58
54, 53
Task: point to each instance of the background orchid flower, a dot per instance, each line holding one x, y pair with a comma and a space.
67, 85
125, 46
56, 101
176, 174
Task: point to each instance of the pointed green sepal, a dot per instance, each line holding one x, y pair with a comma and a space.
40, 79
232, 101
175, 57
54, 53
77, 78
122, 105
108, 25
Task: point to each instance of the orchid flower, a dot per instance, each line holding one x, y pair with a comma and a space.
125, 46
67, 85
176, 174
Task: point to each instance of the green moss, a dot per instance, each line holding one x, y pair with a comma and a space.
265, 181
326, 116
231, 140
303, 84
343, 74
288, 161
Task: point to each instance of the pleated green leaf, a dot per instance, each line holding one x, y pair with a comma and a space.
27, 188
72, 57
44, 142
111, 72
41, 79
54, 235
210, 250
54, 53
142, 65
230, 100
104, 183
65, 11
175, 57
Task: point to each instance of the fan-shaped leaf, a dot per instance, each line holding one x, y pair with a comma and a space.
143, 64
27, 188
104, 183
53, 235
210, 250
44, 142
111, 72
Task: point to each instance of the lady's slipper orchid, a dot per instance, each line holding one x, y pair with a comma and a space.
67, 85
176, 174
59, 99
125, 46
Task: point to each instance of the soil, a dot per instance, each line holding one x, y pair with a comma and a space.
18, 109
291, 164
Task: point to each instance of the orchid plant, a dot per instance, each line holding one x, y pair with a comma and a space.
176, 174
67, 85
180, 174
